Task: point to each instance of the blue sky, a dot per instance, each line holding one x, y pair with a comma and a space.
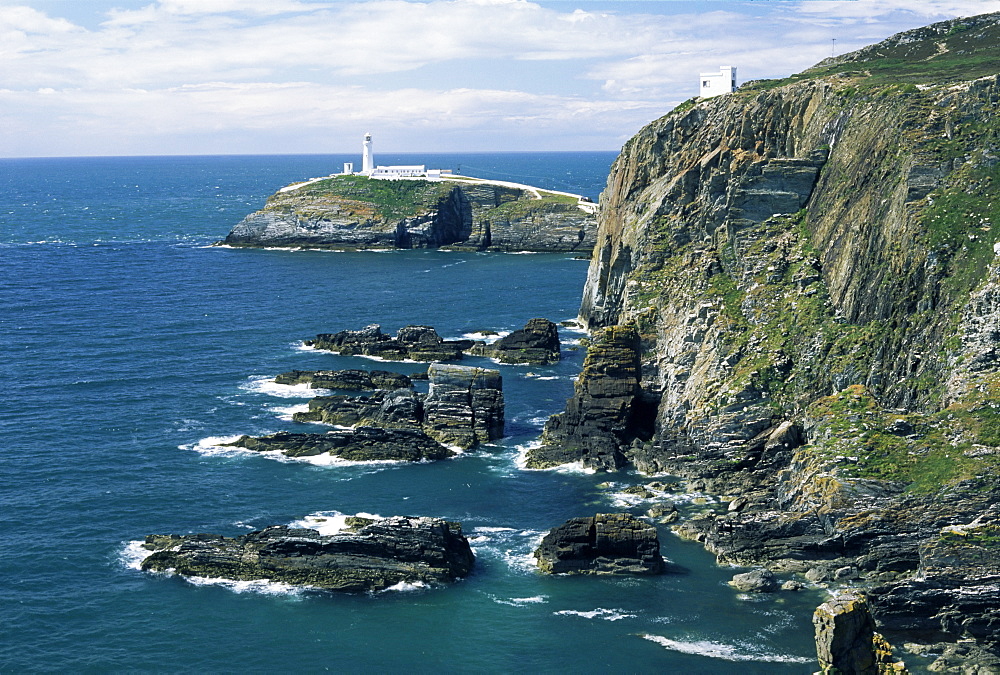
146, 77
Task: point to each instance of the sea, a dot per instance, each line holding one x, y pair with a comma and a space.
131, 347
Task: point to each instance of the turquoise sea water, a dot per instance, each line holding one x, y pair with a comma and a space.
127, 344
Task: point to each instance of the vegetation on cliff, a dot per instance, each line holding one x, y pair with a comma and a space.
812, 266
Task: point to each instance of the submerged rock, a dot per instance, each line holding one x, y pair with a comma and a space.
374, 556
363, 444
607, 543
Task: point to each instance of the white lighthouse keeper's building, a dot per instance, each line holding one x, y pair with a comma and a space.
715, 84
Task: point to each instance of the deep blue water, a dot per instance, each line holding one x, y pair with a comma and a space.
127, 343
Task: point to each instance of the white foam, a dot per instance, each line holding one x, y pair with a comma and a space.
406, 587
328, 522
718, 650
211, 446
132, 555
521, 460
520, 602
261, 586
488, 338
266, 385
514, 547
599, 613
287, 412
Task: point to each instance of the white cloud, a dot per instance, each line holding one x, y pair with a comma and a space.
175, 72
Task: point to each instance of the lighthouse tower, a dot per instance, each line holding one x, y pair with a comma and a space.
367, 160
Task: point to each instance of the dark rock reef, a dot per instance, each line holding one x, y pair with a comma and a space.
362, 444
537, 344
372, 555
414, 343
347, 380
795, 299
356, 212
607, 543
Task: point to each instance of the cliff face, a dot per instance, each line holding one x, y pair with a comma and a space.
353, 212
812, 269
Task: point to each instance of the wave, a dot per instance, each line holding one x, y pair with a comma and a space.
328, 522
212, 446
521, 460
488, 338
726, 652
520, 602
287, 412
263, 384
599, 613
515, 548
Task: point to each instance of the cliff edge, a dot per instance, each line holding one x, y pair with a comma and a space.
795, 303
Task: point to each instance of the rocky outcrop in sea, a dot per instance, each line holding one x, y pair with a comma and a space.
535, 344
370, 555
606, 543
794, 303
463, 408
356, 212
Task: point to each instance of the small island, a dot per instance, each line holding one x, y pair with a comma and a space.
414, 207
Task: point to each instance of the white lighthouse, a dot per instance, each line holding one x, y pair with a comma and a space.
367, 160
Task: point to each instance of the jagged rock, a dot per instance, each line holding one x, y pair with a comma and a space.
754, 581
354, 212
846, 641
362, 444
537, 344
400, 409
608, 543
374, 556
415, 343
464, 406
350, 380
605, 412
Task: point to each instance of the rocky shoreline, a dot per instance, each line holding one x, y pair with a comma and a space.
350, 212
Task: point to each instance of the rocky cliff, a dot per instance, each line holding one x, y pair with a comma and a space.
356, 212
811, 271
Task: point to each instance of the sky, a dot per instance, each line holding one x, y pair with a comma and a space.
197, 77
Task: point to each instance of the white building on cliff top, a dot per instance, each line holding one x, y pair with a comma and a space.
716, 84
368, 167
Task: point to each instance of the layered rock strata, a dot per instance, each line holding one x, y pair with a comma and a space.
846, 641
606, 412
373, 555
355, 212
811, 269
464, 407
607, 543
